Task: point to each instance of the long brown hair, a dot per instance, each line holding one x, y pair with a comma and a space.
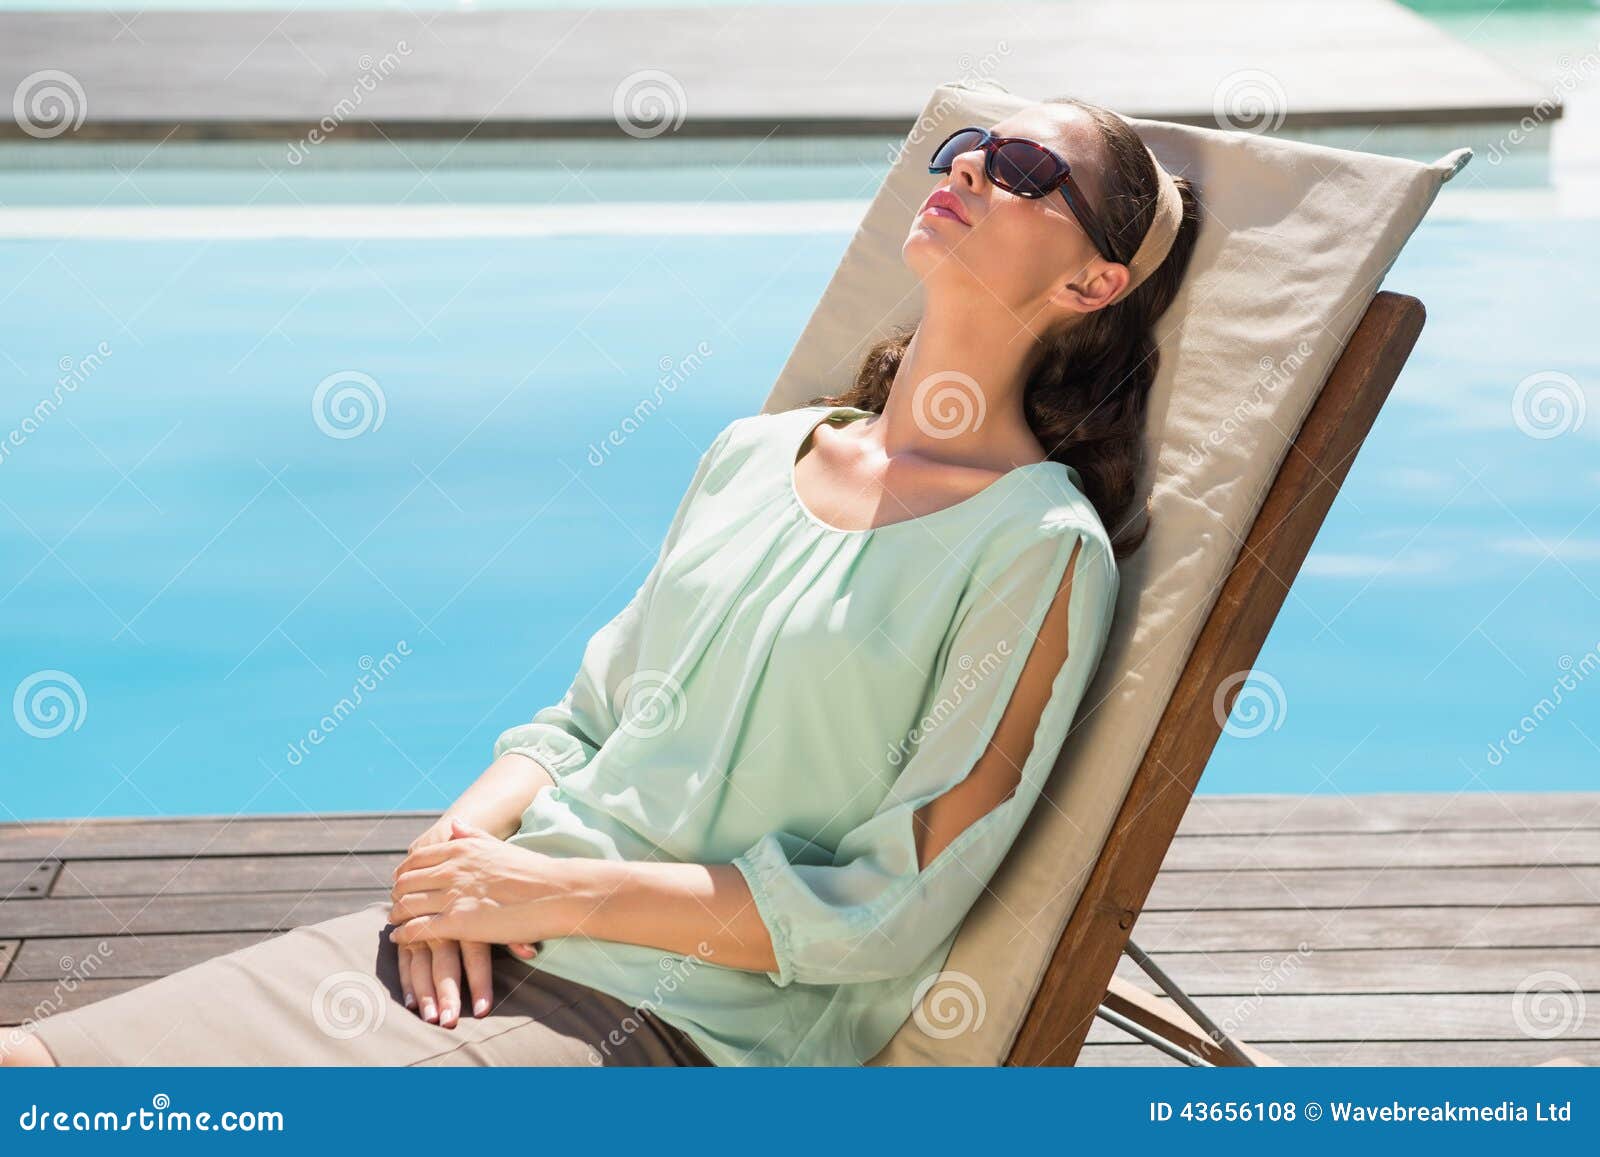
1088, 380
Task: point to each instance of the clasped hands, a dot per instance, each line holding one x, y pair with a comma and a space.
459, 890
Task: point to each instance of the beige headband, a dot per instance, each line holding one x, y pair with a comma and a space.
1163, 230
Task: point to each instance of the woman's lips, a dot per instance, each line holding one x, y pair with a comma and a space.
941, 211
943, 203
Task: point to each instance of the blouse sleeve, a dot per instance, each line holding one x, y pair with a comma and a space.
565, 736
868, 912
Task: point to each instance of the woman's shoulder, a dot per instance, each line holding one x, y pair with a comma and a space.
1050, 501
747, 436
1047, 508
768, 423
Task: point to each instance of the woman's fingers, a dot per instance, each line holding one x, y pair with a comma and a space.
461, 830
427, 857
434, 835
414, 904
478, 964
416, 880
447, 981
422, 981
424, 930
407, 989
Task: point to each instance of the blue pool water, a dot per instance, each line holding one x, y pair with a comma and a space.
184, 538
186, 541
1453, 595
195, 571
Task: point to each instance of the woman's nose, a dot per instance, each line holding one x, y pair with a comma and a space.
967, 168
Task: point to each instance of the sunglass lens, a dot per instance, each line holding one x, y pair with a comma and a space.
964, 141
1024, 169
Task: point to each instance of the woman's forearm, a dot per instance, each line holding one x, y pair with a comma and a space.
690, 909
498, 797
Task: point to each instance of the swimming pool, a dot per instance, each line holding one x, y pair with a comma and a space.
315, 508
350, 489
280, 461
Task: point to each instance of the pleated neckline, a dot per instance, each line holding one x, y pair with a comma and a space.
971, 502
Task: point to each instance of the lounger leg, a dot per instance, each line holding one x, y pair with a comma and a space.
1151, 1037
1187, 1029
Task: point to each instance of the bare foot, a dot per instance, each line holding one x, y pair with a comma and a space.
24, 1050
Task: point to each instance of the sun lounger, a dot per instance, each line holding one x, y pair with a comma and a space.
1275, 360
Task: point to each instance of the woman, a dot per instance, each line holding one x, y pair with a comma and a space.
750, 830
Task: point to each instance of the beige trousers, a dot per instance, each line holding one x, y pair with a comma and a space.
329, 994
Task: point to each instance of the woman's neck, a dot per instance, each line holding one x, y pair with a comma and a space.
957, 394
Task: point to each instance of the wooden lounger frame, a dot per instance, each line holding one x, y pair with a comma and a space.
1079, 976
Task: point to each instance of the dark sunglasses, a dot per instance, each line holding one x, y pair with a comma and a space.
1027, 169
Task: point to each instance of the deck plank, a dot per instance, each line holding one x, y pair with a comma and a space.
174, 876
1556, 847
152, 915
1381, 1054
211, 836
1371, 887
1210, 815
1383, 1016
1416, 970
27, 879
121, 957
1283, 930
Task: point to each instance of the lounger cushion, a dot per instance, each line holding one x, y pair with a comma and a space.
1295, 241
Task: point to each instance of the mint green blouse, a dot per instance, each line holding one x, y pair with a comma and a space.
783, 695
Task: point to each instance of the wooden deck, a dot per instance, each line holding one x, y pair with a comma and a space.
1420, 917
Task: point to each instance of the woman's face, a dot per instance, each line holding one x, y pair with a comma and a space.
1024, 254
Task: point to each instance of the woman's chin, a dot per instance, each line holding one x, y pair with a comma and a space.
938, 263
927, 250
